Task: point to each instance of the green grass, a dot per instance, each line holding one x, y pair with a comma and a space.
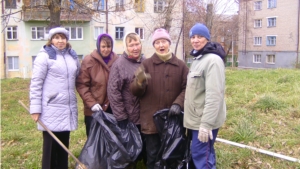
263, 111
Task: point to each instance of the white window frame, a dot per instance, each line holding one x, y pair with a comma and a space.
257, 23
257, 40
257, 5
119, 32
257, 58
13, 63
271, 22
77, 35
160, 5
13, 31
97, 31
39, 29
141, 32
270, 59
272, 3
271, 40
120, 5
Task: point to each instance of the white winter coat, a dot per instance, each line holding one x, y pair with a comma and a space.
52, 90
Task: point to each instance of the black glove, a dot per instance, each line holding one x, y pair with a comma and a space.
174, 110
123, 124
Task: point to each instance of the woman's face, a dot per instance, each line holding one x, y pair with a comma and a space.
105, 50
198, 42
134, 48
162, 46
60, 42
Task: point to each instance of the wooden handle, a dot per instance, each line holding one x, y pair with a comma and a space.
57, 140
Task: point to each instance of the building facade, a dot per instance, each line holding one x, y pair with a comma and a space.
26, 32
269, 33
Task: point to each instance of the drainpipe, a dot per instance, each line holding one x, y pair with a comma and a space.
298, 34
4, 46
106, 16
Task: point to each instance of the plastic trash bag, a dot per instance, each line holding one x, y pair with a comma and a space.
108, 146
187, 162
173, 139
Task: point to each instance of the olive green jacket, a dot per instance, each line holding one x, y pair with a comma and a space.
204, 103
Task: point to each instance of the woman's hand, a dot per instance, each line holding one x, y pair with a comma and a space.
35, 116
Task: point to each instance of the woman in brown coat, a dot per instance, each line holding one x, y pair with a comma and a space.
91, 83
165, 89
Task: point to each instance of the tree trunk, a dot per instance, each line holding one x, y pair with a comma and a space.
54, 8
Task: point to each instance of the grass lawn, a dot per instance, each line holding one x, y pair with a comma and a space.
263, 111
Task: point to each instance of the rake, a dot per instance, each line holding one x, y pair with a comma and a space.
80, 165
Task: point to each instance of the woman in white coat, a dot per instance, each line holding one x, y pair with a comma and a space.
52, 96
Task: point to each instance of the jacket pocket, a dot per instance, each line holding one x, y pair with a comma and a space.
51, 97
194, 80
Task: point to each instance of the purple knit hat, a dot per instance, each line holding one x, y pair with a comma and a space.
160, 34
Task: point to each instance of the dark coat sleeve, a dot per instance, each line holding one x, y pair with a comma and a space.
83, 83
114, 92
184, 72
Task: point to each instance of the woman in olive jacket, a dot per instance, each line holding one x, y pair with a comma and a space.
91, 83
165, 89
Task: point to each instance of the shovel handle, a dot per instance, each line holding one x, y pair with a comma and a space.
56, 139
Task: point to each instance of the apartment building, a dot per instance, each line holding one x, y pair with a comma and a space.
269, 33
26, 31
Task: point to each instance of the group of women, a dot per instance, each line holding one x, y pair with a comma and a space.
132, 88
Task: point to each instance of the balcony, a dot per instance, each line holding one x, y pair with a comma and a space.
44, 14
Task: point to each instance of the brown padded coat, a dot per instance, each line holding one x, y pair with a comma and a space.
91, 83
165, 87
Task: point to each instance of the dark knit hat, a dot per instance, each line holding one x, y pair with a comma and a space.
200, 29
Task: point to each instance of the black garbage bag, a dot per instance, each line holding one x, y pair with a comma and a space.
187, 162
173, 140
108, 146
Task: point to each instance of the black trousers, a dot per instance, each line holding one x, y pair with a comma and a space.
54, 156
88, 121
152, 147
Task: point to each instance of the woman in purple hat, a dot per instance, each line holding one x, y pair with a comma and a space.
92, 81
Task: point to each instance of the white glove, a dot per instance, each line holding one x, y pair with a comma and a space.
204, 134
96, 107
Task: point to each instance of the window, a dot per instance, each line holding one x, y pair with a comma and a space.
37, 2
80, 57
13, 63
10, 4
257, 40
119, 32
271, 3
32, 59
257, 5
271, 40
271, 22
257, 23
139, 5
98, 31
159, 5
120, 5
256, 58
271, 59
140, 31
11, 33
99, 5
75, 33
38, 33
